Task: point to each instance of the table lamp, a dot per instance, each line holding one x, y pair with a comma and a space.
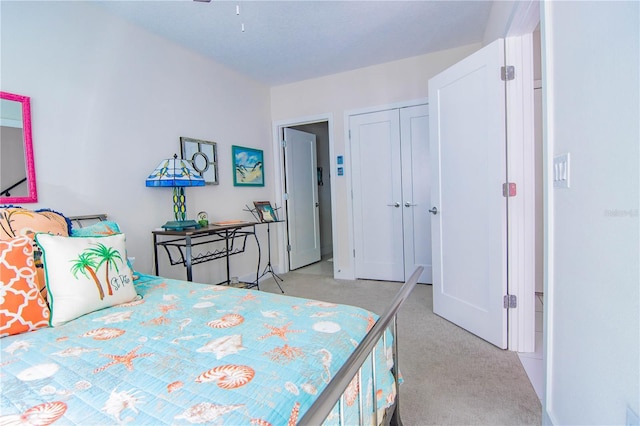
177, 174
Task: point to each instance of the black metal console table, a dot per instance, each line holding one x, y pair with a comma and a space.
179, 246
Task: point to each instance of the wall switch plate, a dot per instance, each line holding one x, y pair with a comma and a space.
632, 418
561, 171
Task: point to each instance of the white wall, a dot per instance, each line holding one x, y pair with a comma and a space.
382, 84
499, 21
109, 101
592, 97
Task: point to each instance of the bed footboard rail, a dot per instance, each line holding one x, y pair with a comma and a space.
81, 221
331, 395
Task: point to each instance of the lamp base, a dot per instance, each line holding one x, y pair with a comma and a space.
179, 225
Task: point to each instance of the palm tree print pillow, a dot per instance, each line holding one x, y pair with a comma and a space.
85, 274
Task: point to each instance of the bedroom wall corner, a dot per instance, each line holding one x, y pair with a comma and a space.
109, 101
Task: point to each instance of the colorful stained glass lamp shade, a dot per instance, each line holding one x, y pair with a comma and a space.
177, 174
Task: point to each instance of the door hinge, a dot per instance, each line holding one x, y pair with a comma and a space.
510, 301
509, 189
349, 134
508, 72
288, 247
285, 196
354, 252
283, 143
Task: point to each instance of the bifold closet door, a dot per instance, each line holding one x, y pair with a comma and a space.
391, 195
416, 190
377, 195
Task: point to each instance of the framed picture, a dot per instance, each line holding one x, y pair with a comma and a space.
265, 211
247, 166
202, 156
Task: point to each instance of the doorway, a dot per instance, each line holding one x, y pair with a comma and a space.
532, 362
319, 174
518, 187
321, 130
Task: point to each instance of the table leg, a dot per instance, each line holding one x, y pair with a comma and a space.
188, 257
226, 242
155, 253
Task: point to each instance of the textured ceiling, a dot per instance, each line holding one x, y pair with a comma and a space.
287, 41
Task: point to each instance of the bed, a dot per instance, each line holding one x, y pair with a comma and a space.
177, 352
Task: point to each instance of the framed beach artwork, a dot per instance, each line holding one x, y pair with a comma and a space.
247, 166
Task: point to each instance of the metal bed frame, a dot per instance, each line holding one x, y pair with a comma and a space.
334, 392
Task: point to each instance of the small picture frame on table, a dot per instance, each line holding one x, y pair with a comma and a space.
266, 213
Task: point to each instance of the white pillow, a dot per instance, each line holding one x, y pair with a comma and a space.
85, 274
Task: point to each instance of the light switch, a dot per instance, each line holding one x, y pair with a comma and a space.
561, 171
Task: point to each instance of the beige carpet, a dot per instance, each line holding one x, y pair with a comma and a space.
451, 376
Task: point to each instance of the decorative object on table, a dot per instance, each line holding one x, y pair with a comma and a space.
202, 156
230, 222
247, 166
177, 174
203, 219
265, 211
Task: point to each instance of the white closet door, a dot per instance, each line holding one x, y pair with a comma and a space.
416, 190
377, 195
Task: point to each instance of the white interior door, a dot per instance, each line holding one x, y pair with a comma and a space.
416, 190
303, 221
377, 195
468, 148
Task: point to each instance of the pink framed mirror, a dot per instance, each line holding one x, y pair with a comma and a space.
17, 168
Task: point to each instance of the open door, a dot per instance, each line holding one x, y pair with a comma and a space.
303, 218
469, 221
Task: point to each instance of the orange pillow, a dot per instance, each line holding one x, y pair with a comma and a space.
18, 221
22, 308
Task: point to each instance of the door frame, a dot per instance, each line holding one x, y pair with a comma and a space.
520, 168
281, 266
521, 208
349, 271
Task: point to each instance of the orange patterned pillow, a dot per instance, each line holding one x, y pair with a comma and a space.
22, 308
18, 221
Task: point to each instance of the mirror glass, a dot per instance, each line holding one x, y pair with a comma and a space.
203, 157
17, 169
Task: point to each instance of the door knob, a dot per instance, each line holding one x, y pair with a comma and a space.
408, 204
396, 204
433, 210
